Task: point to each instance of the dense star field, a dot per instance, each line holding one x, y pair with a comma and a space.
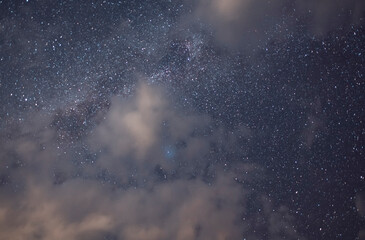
186, 119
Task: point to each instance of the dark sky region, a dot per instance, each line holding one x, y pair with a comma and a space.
182, 119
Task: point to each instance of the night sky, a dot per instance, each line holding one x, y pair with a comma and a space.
182, 119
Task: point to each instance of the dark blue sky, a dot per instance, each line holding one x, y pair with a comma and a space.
214, 101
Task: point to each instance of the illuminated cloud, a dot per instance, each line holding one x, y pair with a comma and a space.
48, 196
247, 23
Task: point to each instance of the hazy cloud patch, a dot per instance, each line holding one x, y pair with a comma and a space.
247, 23
46, 194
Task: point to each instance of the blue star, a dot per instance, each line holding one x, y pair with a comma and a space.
169, 151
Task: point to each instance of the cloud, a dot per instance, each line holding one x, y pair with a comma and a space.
238, 21
246, 23
326, 15
132, 126
136, 131
183, 209
49, 191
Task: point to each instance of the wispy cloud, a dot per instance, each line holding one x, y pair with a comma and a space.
46, 194
247, 23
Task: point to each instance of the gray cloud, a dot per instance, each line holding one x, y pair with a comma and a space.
246, 23
184, 209
46, 194
327, 15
